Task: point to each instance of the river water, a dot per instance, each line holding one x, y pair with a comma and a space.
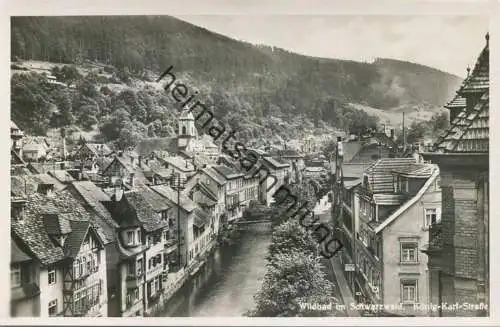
232, 275
226, 284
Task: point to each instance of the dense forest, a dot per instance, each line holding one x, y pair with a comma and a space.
260, 90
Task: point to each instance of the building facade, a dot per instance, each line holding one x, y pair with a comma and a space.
459, 245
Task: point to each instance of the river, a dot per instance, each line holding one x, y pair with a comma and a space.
226, 284
232, 275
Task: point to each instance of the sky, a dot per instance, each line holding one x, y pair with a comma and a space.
448, 43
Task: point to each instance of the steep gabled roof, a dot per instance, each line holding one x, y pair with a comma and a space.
479, 79
156, 201
144, 212
94, 198
469, 132
167, 192
31, 229
75, 239
210, 172
408, 203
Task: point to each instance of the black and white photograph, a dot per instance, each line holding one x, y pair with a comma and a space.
249, 165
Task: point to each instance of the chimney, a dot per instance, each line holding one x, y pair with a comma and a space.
487, 39
393, 135
140, 161
468, 72
132, 160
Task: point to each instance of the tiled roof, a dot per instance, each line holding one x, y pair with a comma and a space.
31, 229
416, 170
350, 184
469, 132
98, 148
56, 224
389, 199
479, 79
75, 239
457, 102
353, 170
380, 175
28, 184
180, 163
61, 175
93, 198
227, 172
16, 254
150, 145
275, 163
157, 202
167, 192
210, 172
144, 212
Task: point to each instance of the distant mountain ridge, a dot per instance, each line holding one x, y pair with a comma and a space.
237, 78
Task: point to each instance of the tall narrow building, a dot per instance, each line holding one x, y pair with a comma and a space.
459, 245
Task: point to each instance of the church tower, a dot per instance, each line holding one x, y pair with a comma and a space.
187, 128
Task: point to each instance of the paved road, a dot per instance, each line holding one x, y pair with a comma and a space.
322, 210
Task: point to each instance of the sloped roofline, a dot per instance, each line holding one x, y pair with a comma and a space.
408, 204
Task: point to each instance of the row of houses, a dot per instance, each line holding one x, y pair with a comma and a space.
118, 233
415, 230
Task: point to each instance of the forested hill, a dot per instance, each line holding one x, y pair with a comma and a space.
251, 80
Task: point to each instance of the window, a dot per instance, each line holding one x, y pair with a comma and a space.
52, 276
15, 276
409, 252
397, 187
75, 268
139, 267
53, 308
164, 215
130, 238
95, 262
409, 291
431, 216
